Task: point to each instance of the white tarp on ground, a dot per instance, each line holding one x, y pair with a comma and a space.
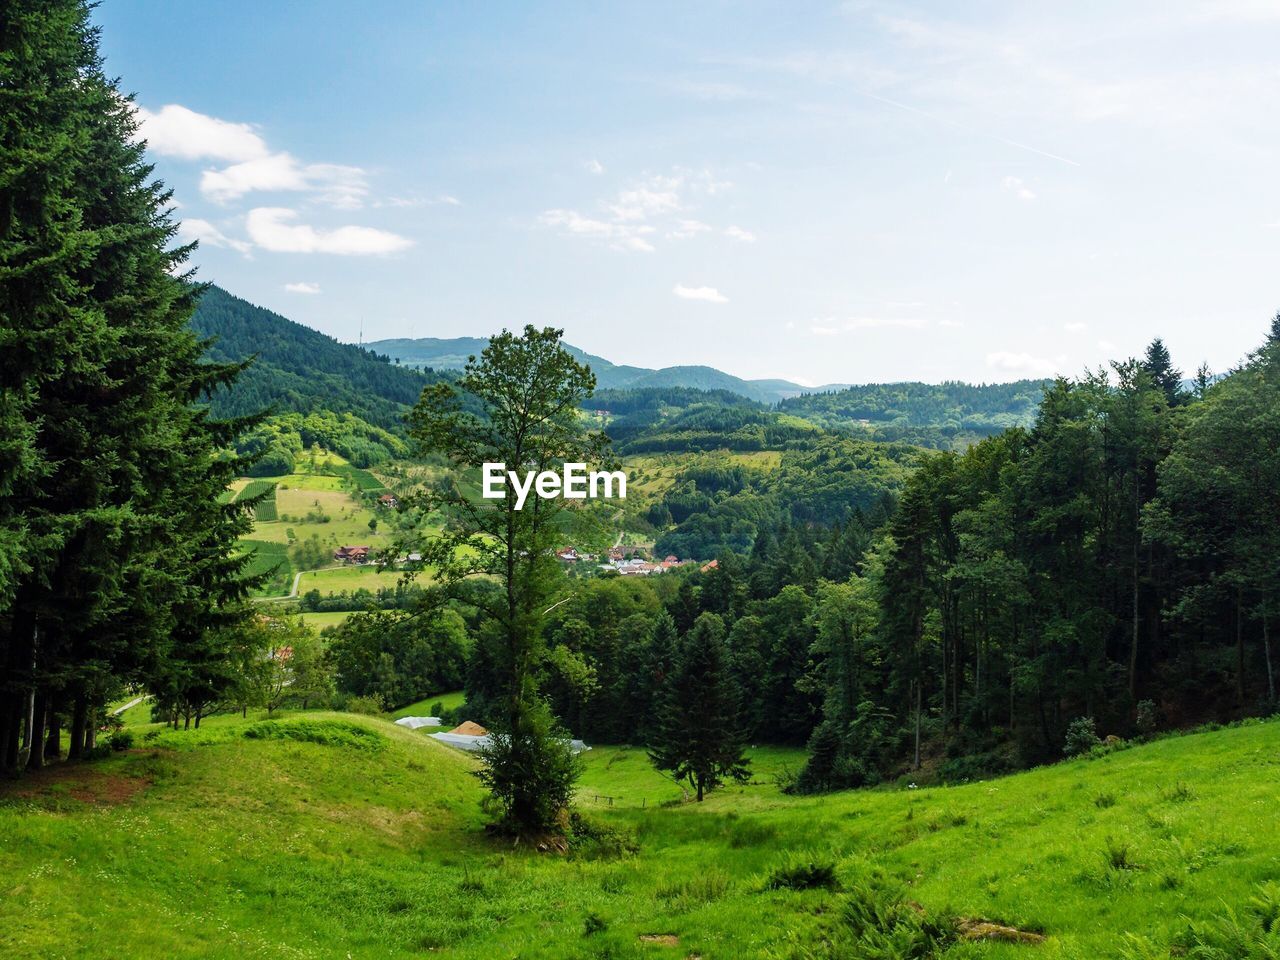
464, 741
413, 723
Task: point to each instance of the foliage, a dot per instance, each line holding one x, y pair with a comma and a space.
698, 737
528, 389
1082, 736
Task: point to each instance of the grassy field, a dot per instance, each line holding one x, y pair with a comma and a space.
315, 507
423, 707
318, 621
327, 835
338, 578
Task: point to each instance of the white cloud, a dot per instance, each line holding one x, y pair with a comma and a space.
950, 323
1075, 326
175, 131
830, 326
737, 233
193, 228
863, 323
653, 205
441, 200
1019, 189
1024, 363
652, 197
339, 186
1106, 346
594, 166
618, 235
272, 229
707, 294
685, 229
309, 288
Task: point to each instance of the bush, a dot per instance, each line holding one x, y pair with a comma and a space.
1082, 736
372, 705
882, 924
329, 733
592, 840
804, 871
121, 740
1146, 718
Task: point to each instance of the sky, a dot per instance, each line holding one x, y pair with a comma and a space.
825, 192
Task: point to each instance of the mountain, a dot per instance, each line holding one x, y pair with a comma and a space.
298, 369
451, 354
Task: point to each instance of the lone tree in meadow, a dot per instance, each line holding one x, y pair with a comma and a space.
516, 404
698, 735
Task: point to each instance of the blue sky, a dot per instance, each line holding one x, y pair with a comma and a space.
825, 192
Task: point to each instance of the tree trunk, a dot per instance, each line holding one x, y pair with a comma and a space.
75, 750
918, 711
53, 739
699, 789
36, 760
90, 734
1266, 649
1133, 644
10, 735
1239, 646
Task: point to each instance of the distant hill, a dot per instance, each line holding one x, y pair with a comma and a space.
451, 354
300, 370
899, 410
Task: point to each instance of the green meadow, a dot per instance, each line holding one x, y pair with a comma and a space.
332, 835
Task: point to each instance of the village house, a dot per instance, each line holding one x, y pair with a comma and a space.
389, 501
359, 554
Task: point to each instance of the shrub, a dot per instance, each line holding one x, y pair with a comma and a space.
593, 923
121, 740
883, 925
804, 871
1082, 736
704, 888
1118, 855
329, 733
1104, 800
590, 839
1145, 717
371, 705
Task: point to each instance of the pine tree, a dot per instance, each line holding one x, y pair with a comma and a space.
698, 738
1159, 366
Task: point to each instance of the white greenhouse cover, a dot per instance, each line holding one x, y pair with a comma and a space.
464, 741
413, 723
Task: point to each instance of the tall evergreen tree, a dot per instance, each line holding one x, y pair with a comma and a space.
699, 738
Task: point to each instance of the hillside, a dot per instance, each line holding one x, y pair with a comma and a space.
450, 354
298, 369
901, 411
325, 835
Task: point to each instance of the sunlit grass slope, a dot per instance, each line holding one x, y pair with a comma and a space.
329, 835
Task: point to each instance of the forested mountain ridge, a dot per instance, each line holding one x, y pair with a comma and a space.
952, 407
298, 369
449, 354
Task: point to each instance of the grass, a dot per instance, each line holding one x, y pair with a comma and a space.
422, 708
335, 579
326, 835
265, 509
272, 557
328, 618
